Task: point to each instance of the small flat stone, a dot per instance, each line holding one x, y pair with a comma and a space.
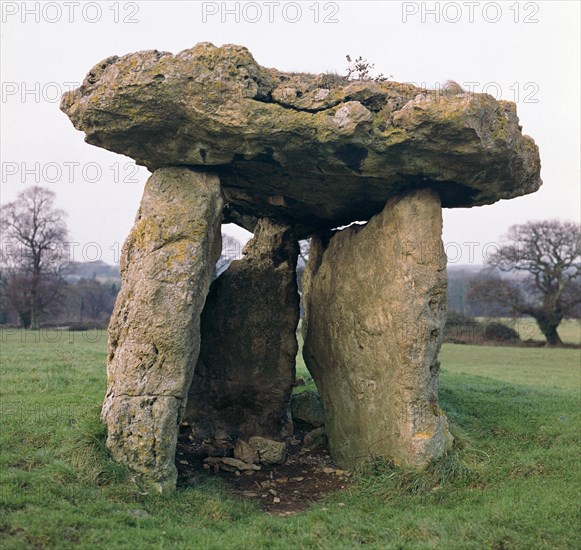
269, 451
243, 451
239, 464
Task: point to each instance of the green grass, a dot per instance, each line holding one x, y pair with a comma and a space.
538, 367
511, 481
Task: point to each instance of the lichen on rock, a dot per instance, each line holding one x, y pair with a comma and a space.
375, 309
334, 150
246, 368
154, 334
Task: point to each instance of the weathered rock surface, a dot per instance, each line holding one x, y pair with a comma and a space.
243, 451
154, 337
307, 408
246, 369
268, 450
315, 150
375, 308
230, 464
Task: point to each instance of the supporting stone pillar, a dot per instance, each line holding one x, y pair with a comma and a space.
375, 309
154, 335
243, 381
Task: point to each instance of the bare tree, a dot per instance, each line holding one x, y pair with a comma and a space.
34, 236
547, 254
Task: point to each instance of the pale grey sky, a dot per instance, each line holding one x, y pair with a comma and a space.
528, 52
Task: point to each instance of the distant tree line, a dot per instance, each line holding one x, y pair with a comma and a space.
536, 272
86, 303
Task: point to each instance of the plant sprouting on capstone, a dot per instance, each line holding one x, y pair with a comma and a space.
360, 69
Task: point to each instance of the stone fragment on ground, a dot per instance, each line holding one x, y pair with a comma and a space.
268, 450
229, 464
243, 451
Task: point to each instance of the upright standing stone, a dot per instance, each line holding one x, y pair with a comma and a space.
243, 381
154, 335
375, 309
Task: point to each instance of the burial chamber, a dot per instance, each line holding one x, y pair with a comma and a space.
287, 156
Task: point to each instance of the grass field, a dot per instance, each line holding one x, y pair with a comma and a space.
512, 480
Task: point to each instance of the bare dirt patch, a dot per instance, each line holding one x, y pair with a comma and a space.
308, 475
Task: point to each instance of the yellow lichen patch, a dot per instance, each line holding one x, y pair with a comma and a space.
146, 232
501, 127
428, 434
393, 136
177, 253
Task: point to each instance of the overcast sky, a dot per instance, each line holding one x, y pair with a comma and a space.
526, 52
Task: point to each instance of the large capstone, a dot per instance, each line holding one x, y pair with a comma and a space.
375, 309
246, 369
154, 335
316, 151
